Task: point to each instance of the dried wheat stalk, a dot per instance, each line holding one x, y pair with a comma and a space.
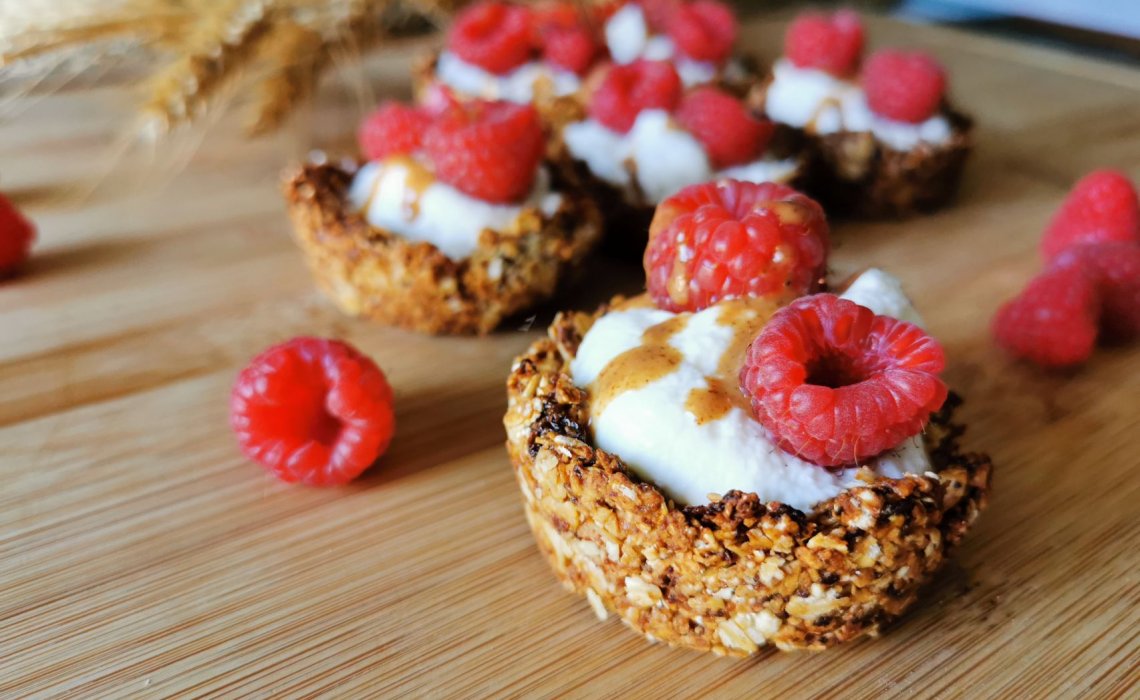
278, 48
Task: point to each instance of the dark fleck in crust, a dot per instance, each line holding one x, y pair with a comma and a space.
382, 276
853, 174
736, 574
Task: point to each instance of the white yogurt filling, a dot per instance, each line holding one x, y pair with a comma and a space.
393, 196
516, 86
656, 436
658, 156
628, 39
814, 100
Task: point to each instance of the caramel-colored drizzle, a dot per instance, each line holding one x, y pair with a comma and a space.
640, 366
824, 104
722, 391
656, 358
416, 182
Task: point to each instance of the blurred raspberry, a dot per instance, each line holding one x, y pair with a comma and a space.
16, 236
627, 90
1101, 207
393, 128
704, 30
904, 86
730, 134
495, 36
831, 43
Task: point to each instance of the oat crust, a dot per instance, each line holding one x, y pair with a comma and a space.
382, 276
736, 574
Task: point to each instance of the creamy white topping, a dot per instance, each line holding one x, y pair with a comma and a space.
628, 38
823, 104
400, 196
662, 156
654, 432
516, 86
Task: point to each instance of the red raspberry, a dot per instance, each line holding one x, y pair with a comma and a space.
835, 384
490, 150
704, 30
829, 43
16, 236
392, 129
571, 49
1116, 267
729, 239
904, 86
659, 13
730, 134
313, 411
1101, 207
1053, 322
493, 35
627, 90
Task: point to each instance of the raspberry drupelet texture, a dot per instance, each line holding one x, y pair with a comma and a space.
1054, 321
495, 36
490, 150
627, 90
835, 384
704, 30
1101, 207
393, 128
905, 86
312, 411
731, 239
830, 43
16, 237
721, 122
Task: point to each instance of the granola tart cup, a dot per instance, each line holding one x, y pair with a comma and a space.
377, 274
855, 174
736, 574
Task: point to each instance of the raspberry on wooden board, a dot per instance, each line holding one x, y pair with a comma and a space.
16, 237
1101, 207
1054, 321
313, 411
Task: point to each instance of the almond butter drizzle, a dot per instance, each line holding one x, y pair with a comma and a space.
640, 366
810, 127
656, 358
416, 182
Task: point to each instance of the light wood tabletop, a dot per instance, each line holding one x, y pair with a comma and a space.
141, 555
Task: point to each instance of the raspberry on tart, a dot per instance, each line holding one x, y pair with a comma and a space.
16, 237
393, 128
906, 86
490, 150
704, 30
730, 133
732, 239
493, 35
451, 226
628, 90
313, 411
837, 385
832, 43
1101, 207
880, 136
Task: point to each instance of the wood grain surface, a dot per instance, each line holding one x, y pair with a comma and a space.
140, 555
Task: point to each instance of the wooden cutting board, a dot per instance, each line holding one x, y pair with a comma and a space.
140, 555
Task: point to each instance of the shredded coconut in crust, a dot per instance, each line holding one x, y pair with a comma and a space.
382, 276
735, 574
